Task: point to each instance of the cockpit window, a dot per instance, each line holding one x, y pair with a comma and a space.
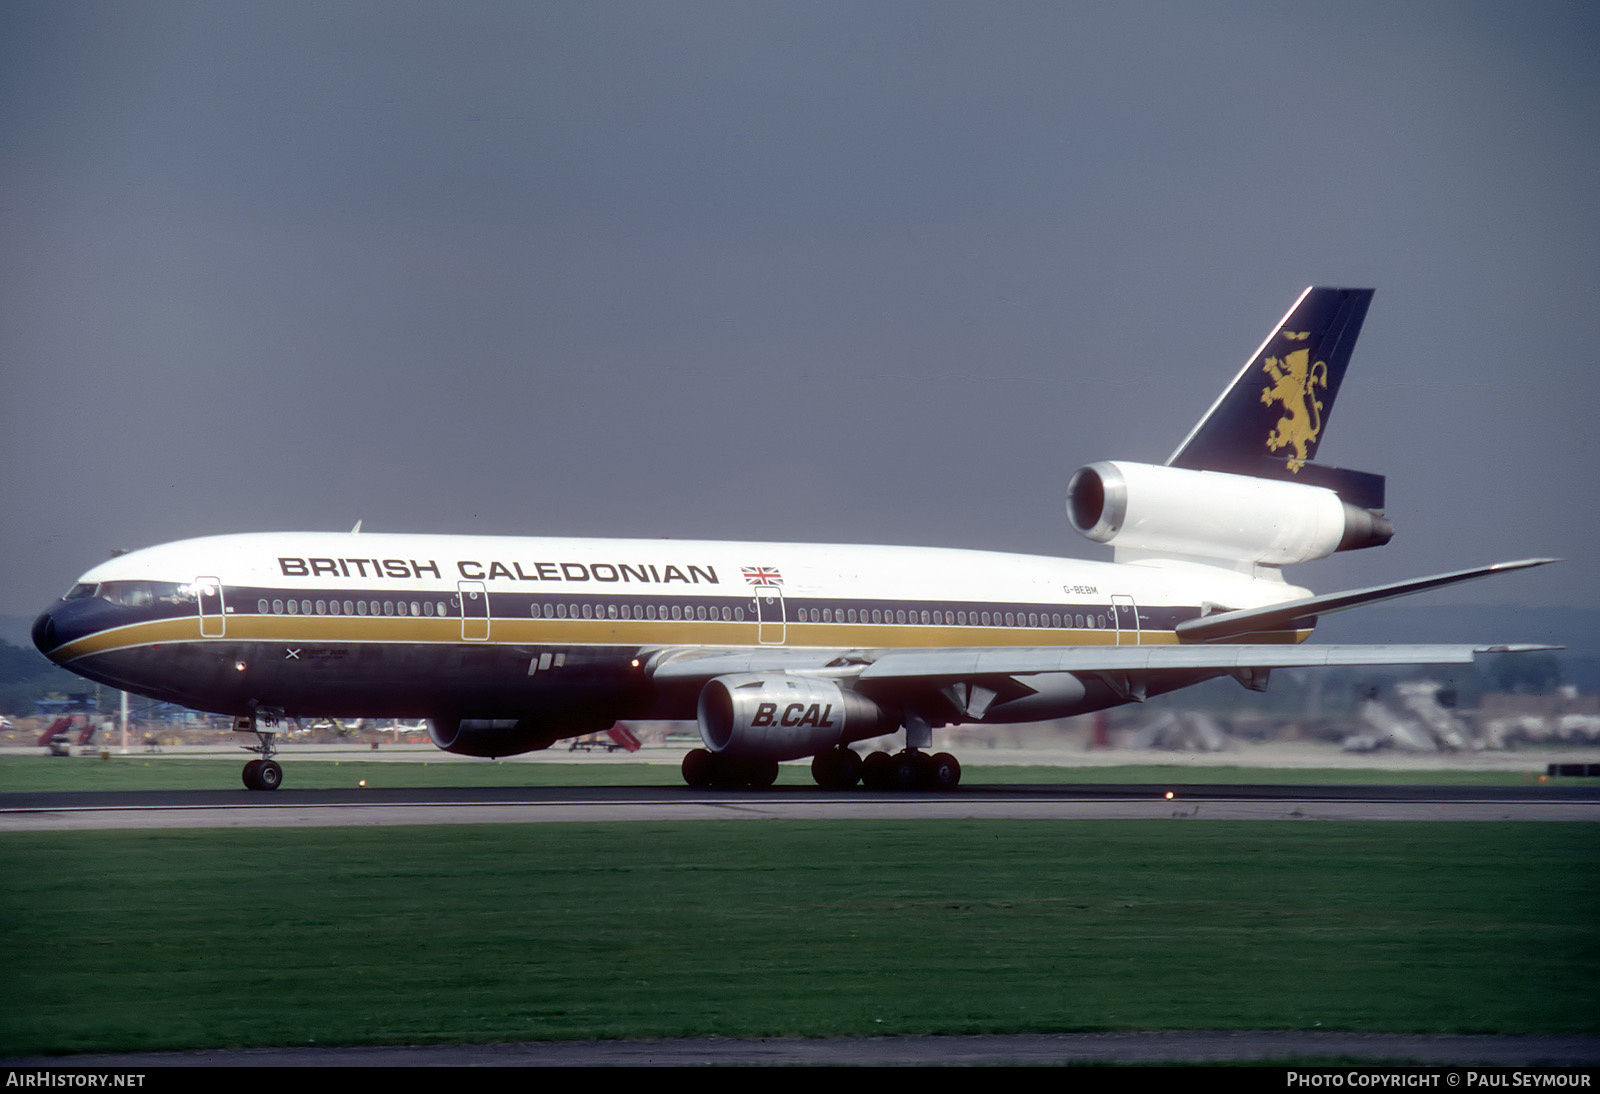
81, 591
140, 594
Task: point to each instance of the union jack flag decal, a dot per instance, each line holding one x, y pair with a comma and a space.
761, 575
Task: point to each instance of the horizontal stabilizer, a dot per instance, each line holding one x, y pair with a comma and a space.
1275, 617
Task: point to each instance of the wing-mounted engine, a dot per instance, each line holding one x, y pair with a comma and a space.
774, 716
1145, 511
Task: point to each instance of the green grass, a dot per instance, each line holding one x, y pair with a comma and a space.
194, 938
140, 772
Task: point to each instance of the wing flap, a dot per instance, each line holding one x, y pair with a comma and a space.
690, 665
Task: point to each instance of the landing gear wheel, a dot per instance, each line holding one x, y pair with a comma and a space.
699, 768
906, 770
946, 771
836, 769
760, 774
875, 771
264, 773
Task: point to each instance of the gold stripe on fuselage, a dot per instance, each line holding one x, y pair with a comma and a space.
314, 629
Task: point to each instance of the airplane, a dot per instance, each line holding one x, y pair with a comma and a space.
781, 651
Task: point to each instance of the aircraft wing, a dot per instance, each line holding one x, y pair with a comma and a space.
1027, 660
694, 666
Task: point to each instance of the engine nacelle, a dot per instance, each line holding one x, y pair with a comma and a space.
777, 717
494, 737
1144, 510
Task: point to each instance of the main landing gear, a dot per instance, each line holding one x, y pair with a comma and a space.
908, 769
911, 769
835, 769
703, 767
265, 773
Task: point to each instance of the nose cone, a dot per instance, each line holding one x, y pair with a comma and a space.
44, 633
66, 621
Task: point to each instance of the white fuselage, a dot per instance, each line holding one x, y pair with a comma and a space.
388, 625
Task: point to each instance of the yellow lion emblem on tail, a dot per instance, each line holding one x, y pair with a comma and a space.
1294, 380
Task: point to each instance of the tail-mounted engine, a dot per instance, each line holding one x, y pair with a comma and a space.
777, 717
1147, 511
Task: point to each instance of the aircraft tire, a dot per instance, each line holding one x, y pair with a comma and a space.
825, 769
946, 771
851, 769
875, 771
905, 771
269, 776
760, 774
252, 775
836, 769
699, 768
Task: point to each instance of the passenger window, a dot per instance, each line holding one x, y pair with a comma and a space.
261, 607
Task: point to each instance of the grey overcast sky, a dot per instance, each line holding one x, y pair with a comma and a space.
857, 271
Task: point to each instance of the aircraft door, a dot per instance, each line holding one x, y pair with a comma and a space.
213, 613
474, 611
770, 621
1126, 619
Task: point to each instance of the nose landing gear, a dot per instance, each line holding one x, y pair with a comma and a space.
265, 773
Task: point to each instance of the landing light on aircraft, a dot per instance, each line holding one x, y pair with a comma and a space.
1169, 795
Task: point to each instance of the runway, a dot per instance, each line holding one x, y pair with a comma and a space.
43, 811
1146, 1047
55, 811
